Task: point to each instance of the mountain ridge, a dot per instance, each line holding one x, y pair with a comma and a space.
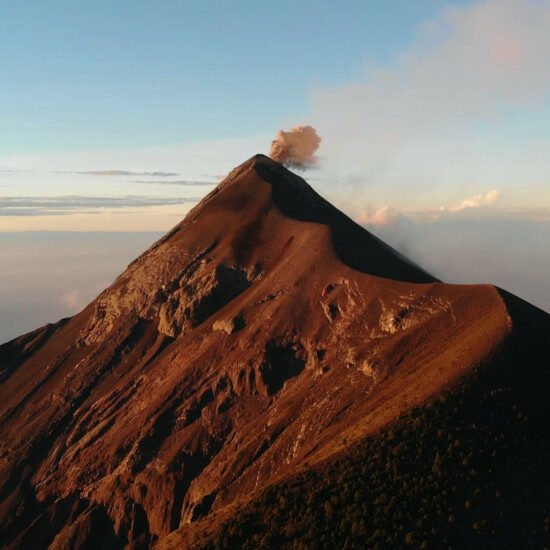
257, 335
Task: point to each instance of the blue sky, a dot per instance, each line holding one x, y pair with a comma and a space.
109, 74
452, 97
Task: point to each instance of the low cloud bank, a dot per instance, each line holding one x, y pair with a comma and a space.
49, 275
382, 216
186, 183
125, 173
71, 204
510, 253
486, 199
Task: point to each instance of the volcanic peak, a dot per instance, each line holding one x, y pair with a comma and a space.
265, 332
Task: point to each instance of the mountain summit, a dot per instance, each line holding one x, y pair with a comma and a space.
265, 334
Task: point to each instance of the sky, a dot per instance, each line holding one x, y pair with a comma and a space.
117, 117
108, 74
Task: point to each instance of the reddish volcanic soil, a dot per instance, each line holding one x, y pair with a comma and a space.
265, 330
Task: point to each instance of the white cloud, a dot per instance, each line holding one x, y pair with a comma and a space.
75, 300
473, 65
126, 173
510, 253
383, 216
488, 199
74, 204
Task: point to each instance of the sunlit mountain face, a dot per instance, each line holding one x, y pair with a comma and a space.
269, 373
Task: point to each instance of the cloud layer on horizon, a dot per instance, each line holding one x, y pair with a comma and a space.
388, 215
487, 199
49, 275
72, 204
188, 183
123, 173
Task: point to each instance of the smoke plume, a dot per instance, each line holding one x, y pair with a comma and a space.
296, 148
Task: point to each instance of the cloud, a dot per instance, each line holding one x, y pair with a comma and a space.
75, 299
507, 252
15, 171
471, 63
72, 204
122, 173
383, 216
475, 202
296, 148
461, 247
482, 214
478, 209
176, 182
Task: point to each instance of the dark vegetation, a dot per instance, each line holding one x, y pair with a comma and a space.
469, 469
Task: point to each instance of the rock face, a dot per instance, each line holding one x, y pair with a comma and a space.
264, 332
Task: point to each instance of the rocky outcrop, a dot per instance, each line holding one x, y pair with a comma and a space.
179, 302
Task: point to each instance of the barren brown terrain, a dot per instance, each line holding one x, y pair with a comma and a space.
264, 334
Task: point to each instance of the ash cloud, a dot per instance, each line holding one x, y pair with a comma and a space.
296, 148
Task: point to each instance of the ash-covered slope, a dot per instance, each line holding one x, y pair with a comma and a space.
265, 332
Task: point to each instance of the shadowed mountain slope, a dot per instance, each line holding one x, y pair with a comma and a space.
262, 335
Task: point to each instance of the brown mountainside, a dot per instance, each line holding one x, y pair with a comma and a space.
264, 333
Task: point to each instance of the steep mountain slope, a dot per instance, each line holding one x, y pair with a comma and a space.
264, 333
466, 469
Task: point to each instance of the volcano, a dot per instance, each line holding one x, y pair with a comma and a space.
264, 342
